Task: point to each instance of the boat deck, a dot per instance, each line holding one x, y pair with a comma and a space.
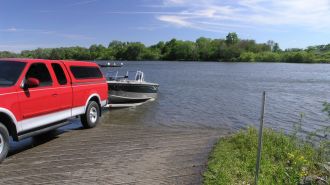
111, 154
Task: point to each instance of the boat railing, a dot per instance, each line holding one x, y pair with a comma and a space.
138, 76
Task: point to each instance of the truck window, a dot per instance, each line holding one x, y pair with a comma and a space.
10, 72
60, 75
86, 72
40, 72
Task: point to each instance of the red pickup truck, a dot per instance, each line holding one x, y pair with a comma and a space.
39, 95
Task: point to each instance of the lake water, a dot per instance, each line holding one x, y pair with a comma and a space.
228, 95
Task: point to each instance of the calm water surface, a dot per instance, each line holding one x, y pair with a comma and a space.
228, 95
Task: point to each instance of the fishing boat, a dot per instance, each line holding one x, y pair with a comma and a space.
130, 89
108, 64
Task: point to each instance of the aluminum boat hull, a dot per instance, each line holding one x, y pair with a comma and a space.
131, 92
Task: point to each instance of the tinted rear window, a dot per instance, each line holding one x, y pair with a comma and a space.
86, 72
61, 78
10, 72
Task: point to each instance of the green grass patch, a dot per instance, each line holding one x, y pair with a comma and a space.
285, 160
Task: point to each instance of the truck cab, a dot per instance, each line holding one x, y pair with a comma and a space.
40, 95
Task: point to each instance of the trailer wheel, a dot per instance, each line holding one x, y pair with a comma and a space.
92, 115
4, 142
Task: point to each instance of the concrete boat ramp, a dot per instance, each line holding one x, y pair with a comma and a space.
111, 154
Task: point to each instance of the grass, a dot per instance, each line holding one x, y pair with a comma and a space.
285, 160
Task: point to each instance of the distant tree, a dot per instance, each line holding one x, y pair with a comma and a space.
262, 48
26, 54
232, 53
80, 53
231, 38
182, 50
271, 44
151, 54
276, 48
217, 47
248, 45
7, 54
96, 51
203, 47
134, 51
56, 54
293, 49
118, 49
169, 51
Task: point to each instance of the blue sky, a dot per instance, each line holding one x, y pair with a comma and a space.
55, 23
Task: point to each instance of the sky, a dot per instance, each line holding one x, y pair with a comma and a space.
30, 24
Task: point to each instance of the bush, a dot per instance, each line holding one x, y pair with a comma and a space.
268, 57
247, 57
285, 160
298, 57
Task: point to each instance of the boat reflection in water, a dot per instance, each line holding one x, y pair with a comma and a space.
129, 89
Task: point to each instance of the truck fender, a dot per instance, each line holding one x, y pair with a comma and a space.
12, 119
90, 97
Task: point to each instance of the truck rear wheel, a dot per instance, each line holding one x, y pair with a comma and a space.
4, 142
92, 115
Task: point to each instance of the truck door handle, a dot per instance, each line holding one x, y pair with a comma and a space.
55, 94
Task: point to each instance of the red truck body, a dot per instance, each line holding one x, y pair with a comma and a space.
64, 90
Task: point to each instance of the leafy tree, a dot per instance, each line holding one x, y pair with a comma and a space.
151, 54
248, 45
7, 54
118, 49
276, 48
168, 50
96, 51
204, 51
231, 38
186, 50
56, 54
134, 51
218, 47
271, 44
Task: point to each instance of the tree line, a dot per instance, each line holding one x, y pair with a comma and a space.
229, 49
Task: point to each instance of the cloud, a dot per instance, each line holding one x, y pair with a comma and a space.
12, 29
75, 36
174, 19
82, 2
252, 14
47, 11
18, 47
141, 12
18, 30
46, 32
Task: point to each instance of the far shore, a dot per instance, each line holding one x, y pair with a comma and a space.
231, 49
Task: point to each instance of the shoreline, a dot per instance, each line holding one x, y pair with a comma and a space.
199, 61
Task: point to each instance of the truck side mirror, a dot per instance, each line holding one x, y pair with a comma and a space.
31, 82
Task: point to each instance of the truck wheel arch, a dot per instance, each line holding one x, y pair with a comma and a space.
95, 97
9, 121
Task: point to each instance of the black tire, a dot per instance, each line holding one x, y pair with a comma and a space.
4, 142
92, 115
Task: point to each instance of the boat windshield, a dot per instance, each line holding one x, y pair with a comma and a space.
10, 72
